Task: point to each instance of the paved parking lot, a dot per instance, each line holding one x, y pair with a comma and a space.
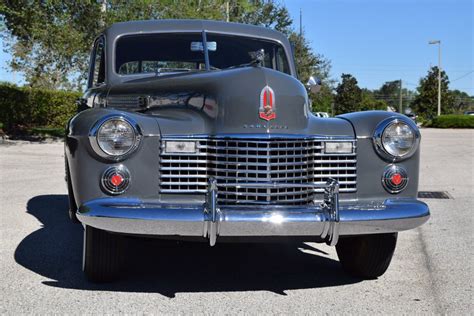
40, 263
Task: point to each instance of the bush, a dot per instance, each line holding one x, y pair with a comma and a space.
22, 108
453, 121
47, 131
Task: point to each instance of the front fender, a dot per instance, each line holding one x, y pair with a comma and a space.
370, 165
86, 167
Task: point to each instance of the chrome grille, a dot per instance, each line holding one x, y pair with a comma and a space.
249, 160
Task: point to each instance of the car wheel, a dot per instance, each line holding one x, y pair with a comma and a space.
103, 253
70, 194
366, 256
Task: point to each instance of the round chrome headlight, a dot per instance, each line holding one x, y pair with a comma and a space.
115, 137
396, 139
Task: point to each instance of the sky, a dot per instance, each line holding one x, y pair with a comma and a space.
381, 40
386, 40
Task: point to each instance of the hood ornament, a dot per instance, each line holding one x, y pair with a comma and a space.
267, 104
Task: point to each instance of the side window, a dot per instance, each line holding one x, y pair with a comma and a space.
131, 67
282, 61
98, 64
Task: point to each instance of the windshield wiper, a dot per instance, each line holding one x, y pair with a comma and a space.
166, 70
174, 70
257, 59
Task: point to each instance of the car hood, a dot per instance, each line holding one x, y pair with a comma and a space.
225, 102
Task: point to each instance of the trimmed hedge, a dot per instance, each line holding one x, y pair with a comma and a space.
47, 131
453, 121
23, 110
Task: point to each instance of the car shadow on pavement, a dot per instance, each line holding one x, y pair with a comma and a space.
170, 267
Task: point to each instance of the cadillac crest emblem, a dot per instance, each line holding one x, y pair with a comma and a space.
267, 104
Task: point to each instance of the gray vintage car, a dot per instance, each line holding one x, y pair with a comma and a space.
200, 130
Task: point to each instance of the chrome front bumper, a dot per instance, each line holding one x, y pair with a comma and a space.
328, 220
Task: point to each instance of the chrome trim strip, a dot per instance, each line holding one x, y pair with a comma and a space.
260, 156
314, 185
261, 137
259, 149
254, 171
273, 164
203, 184
257, 179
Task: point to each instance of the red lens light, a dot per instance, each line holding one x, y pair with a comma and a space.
116, 180
396, 178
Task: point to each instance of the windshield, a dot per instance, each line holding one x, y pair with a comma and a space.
178, 52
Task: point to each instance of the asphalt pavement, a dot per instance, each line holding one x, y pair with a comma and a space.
41, 251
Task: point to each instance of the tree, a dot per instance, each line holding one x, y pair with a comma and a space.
349, 95
426, 102
408, 97
323, 100
265, 13
390, 92
462, 102
369, 102
50, 40
310, 64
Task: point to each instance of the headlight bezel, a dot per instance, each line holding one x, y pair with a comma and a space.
94, 141
379, 133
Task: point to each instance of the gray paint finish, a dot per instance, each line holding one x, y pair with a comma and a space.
365, 122
229, 103
216, 103
187, 26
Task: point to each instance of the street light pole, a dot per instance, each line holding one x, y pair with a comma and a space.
301, 23
400, 102
439, 73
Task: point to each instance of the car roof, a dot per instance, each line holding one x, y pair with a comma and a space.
150, 26
117, 30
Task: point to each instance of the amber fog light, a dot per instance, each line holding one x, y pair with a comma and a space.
394, 179
115, 180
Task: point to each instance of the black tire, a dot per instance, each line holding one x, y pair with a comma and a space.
366, 256
70, 194
103, 253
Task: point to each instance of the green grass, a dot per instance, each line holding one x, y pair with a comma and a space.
1, 125
453, 121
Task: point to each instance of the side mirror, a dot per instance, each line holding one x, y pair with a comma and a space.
258, 57
81, 104
314, 84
